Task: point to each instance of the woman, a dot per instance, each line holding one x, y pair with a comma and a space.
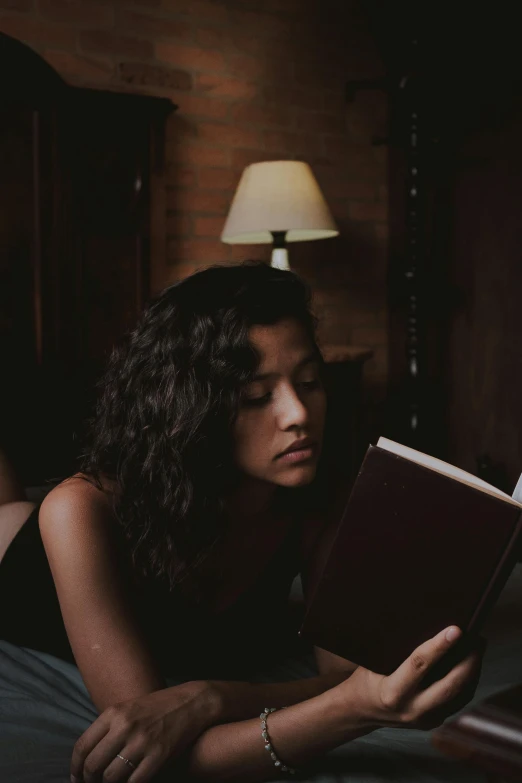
173, 550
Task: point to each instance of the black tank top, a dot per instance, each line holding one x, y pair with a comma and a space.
187, 643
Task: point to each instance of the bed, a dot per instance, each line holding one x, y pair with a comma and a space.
45, 707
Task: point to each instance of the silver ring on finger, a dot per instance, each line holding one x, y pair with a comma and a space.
127, 761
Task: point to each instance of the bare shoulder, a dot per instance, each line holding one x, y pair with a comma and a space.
75, 501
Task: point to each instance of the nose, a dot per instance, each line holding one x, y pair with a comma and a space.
291, 410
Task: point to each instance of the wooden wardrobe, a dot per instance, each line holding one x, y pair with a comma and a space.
81, 232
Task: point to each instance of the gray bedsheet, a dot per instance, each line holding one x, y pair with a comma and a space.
44, 707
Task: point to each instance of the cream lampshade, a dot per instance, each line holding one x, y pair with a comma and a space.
278, 201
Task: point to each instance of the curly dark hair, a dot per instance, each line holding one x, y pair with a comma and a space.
167, 403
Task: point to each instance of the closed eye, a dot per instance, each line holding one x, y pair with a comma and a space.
257, 401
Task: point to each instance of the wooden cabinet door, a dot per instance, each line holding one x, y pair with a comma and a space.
74, 267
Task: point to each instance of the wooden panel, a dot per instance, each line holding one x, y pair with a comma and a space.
485, 356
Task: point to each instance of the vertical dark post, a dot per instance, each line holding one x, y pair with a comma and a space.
414, 251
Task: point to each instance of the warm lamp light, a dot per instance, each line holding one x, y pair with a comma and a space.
278, 201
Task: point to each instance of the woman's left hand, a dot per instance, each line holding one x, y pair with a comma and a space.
147, 732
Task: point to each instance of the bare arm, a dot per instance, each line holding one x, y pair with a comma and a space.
78, 533
363, 702
299, 734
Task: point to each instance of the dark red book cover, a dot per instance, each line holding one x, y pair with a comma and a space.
415, 552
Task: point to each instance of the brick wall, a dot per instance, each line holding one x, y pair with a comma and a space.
250, 85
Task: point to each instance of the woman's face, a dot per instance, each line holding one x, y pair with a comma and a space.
284, 404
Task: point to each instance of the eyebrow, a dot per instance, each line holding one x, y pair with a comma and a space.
312, 357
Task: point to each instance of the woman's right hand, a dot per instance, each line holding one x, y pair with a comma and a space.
402, 700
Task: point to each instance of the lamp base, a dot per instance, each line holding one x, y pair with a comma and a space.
279, 258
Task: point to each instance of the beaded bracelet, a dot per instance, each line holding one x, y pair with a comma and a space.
268, 745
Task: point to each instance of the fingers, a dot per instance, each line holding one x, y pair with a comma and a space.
98, 749
86, 744
148, 769
143, 768
400, 686
118, 769
455, 689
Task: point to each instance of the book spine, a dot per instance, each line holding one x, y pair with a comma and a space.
498, 580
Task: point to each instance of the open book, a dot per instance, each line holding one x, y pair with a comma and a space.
420, 545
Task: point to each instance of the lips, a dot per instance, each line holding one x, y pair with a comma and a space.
298, 445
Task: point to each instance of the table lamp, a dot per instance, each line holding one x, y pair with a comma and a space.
278, 201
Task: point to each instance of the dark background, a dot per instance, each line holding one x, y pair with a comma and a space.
331, 83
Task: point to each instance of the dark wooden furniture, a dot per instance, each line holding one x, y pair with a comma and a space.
489, 736
82, 241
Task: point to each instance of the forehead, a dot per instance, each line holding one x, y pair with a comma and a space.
280, 343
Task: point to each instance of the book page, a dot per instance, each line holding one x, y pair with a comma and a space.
449, 470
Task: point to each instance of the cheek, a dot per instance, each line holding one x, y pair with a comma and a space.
248, 437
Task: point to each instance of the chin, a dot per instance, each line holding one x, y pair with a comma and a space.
298, 477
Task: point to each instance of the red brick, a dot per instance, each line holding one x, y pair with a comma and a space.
152, 26
241, 64
111, 43
229, 135
146, 74
32, 30
190, 57
207, 250
143, 3
180, 129
180, 176
198, 154
344, 188
179, 225
280, 141
224, 87
191, 201
199, 9
208, 226
319, 75
78, 69
368, 210
16, 5
251, 43
199, 106
262, 24
243, 158
358, 158
250, 252
263, 115
308, 145
179, 270
320, 122
77, 12
217, 178
294, 96
284, 6
213, 37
